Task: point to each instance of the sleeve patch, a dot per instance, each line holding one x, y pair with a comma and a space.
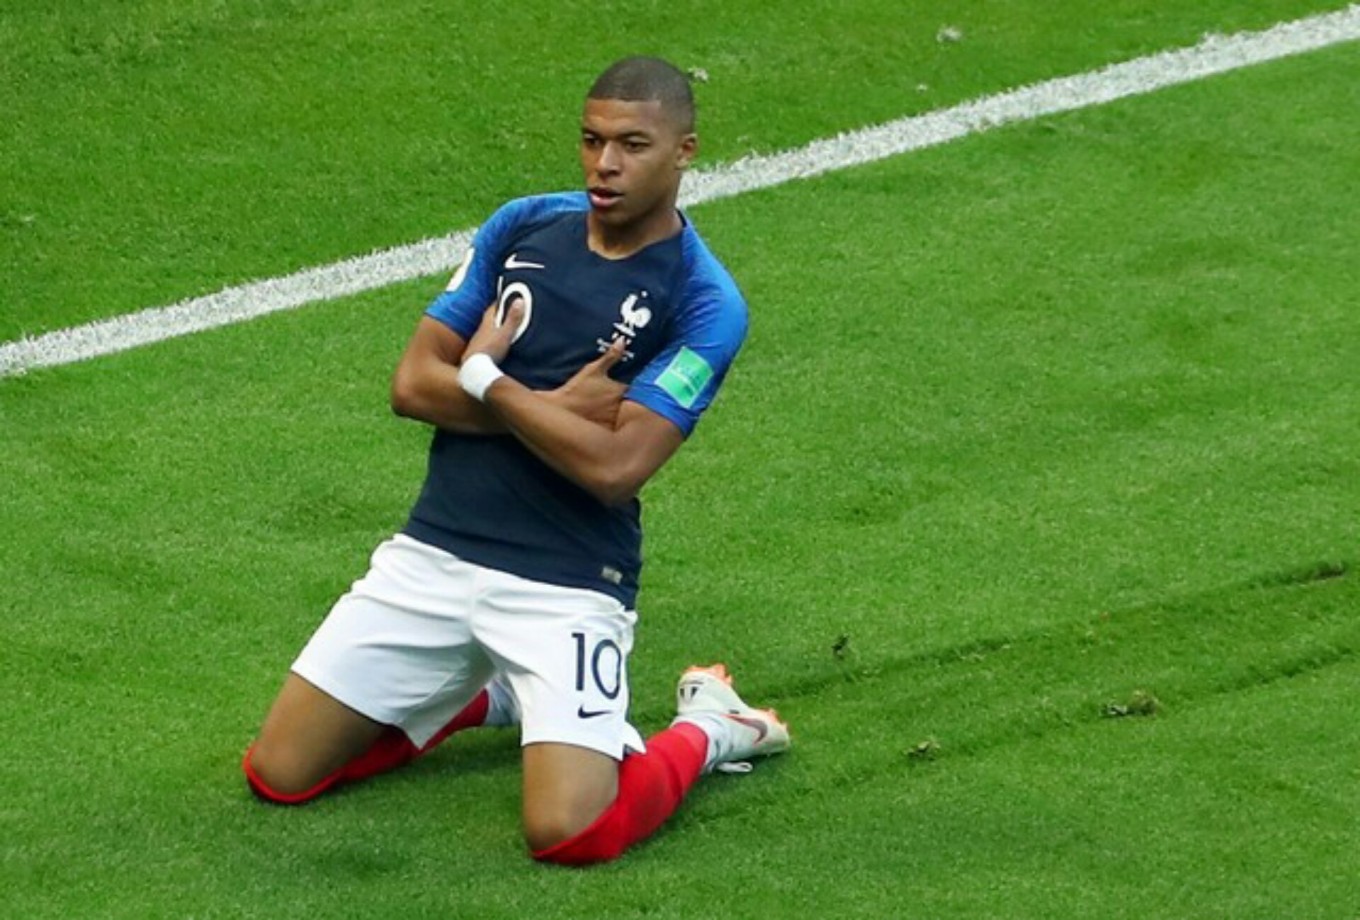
685, 377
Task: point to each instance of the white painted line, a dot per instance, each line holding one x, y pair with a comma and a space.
1214, 55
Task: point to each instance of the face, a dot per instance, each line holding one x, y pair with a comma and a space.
633, 156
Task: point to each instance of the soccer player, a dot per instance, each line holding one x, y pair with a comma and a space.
569, 358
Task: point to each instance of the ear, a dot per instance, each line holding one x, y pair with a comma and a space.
686, 151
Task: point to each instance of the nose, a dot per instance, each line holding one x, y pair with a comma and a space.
608, 161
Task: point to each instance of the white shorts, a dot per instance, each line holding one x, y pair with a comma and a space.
418, 637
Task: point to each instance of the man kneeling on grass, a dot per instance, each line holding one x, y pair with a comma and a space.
509, 595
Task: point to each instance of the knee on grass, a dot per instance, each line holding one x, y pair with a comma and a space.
551, 832
545, 830
277, 780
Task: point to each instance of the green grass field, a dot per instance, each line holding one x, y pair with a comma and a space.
1033, 502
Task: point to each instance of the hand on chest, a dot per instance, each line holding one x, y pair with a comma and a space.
576, 304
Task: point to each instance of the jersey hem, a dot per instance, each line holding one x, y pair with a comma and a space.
547, 568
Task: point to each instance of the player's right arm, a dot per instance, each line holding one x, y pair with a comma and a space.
425, 385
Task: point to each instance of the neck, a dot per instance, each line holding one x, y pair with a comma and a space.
619, 242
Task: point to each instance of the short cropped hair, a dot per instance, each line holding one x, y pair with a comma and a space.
649, 79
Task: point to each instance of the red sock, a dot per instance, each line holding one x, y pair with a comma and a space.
392, 749
651, 786
473, 715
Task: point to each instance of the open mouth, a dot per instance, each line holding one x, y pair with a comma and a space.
601, 197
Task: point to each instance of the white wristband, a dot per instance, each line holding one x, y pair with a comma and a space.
477, 374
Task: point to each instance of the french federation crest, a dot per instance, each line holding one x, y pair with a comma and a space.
634, 315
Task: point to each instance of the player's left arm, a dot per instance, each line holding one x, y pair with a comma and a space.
611, 462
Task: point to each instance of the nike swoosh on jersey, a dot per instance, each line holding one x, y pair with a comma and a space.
584, 713
514, 262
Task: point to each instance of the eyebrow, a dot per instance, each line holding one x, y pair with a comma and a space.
628, 135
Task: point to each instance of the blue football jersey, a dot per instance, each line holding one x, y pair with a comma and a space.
487, 499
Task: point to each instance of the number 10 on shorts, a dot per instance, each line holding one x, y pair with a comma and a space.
601, 665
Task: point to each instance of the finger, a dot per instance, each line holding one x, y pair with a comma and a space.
611, 355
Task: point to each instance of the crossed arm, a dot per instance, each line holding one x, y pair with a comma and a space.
584, 429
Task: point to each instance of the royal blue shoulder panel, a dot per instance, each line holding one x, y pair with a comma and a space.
681, 381
473, 285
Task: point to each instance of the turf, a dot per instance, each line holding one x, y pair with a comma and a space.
1032, 502
154, 150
